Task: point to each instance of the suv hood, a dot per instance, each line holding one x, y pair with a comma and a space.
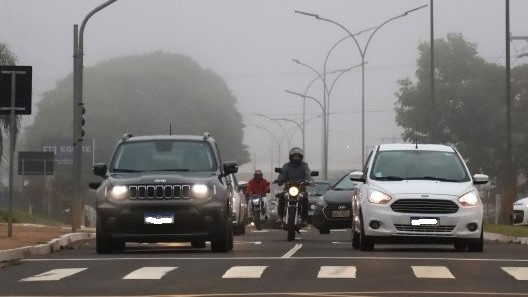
161, 177
416, 187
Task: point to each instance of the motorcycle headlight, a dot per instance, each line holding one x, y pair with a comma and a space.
200, 191
469, 199
117, 193
378, 197
293, 191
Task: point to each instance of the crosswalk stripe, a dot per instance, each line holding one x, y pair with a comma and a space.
244, 272
149, 273
432, 272
337, 272
519, 273
53, 275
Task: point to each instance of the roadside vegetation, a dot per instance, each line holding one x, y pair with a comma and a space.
515, 231
24, 217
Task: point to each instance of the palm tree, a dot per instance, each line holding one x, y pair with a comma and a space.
6, 58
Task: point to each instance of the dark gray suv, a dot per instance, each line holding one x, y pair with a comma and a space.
164, 189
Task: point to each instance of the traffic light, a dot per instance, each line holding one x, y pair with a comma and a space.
81, 124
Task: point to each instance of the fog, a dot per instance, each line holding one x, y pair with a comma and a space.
251, 44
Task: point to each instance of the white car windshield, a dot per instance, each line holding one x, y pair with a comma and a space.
418, 165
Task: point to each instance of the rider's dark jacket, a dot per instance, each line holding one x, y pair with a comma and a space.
296, 172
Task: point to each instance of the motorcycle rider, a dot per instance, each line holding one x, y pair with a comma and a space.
258, 186
297, 171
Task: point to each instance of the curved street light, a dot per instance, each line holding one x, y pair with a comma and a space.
274, 137
326, 103
362, 52
78, 48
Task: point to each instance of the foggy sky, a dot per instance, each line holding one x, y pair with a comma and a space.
250, 43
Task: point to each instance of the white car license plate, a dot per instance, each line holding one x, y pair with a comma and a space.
159, 218
424, 221
340, 213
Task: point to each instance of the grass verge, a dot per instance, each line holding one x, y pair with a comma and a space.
515, 231
24, 217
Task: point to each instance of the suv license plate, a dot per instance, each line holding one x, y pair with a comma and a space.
340, 213
159, 218
424, 221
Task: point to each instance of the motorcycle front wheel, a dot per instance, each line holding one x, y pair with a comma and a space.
291, 224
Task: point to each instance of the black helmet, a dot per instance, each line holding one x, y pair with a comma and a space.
257, 174
296, 151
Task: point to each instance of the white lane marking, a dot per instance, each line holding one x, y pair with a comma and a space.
53, 275
337, 272
244, 272
292, 251
248, 242
519, 273
432, 272
149, 272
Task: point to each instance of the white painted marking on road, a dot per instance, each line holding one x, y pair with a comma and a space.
432, 272
53, 275
292, 251
248, 242
341, 242
337, 272
149, 272
519, 273
244, 272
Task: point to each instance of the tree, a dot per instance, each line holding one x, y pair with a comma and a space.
7, 58
145, 94
469, 110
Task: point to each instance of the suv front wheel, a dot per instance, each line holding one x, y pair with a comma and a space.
223, 239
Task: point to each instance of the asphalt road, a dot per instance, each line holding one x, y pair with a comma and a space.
265, 264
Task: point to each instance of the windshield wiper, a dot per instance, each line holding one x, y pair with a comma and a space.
390, 177
343, 189
178, 169
434, 178
125, 170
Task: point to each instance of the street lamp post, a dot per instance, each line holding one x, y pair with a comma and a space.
78, 48
362, 52
326, 103
323, 109
278, 147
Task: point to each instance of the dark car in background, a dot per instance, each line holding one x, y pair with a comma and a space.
315, 193
334, 209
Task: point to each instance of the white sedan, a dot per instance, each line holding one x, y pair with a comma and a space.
520, 212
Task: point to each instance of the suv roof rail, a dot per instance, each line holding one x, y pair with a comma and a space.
126, 136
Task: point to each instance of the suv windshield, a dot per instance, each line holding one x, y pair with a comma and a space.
426, 165
164, 155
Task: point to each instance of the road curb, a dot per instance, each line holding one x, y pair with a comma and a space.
53, 245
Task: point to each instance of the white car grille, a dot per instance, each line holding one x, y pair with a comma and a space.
429, 206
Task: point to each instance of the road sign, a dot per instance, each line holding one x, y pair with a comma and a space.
22, 89
35, 163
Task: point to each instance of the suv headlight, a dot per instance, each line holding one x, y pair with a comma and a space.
378, 197
117, 193
469, 199
200, 191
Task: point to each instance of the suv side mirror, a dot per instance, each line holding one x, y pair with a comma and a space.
314, 173
99, 169
94, 185
479, 179
230, 167
278, 169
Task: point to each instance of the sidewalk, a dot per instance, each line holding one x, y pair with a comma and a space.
30, 239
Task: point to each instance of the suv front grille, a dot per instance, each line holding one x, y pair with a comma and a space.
424, 206
142, 192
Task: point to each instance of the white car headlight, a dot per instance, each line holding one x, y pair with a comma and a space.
293, 191
118, 193
469, 199
378, 197
200, 191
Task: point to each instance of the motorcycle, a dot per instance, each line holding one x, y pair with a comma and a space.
293, 192
259, 207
